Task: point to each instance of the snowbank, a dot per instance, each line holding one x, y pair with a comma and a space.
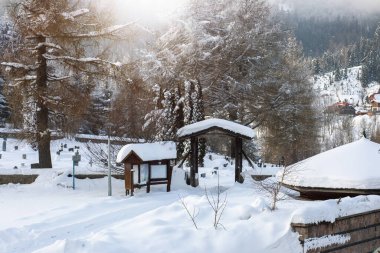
351, 166
330, 210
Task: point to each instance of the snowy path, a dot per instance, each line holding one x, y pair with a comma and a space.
72, 224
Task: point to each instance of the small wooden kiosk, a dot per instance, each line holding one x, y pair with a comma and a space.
147, 164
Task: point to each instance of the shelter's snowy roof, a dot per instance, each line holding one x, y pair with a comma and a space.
352, 166
149, 151
219, 123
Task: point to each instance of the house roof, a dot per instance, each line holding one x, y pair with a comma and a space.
149, 151
352, 166
204, 126
376, 98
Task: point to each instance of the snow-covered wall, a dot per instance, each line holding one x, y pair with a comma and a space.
350, 225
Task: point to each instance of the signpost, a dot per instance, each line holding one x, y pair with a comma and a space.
109, 166
76, 160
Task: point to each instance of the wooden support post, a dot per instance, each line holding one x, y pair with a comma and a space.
194, 162
132, 182
139, 174
149, 177
168, 176
128, 178
238, 160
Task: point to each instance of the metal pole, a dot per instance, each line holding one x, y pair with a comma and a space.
73, 175
109, 166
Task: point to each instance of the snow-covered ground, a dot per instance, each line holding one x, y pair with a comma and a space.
13, 157
47, 216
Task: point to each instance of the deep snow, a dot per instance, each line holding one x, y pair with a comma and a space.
48, 216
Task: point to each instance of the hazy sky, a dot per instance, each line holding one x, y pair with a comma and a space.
326, 7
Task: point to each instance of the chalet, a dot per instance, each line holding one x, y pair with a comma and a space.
342, 108
374, 100
147, 164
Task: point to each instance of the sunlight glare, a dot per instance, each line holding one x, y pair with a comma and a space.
149, 10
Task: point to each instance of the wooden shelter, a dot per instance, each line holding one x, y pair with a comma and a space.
147, 164
223, 127
349, 170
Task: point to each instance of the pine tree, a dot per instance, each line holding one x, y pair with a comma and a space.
4, 106
194, 112
316, 67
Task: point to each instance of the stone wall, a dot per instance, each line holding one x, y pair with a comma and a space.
29, 179
17, 179
363, 230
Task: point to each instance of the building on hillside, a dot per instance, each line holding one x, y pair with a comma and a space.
147, 164
341, 108
374, 100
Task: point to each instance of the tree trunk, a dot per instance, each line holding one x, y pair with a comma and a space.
42, 115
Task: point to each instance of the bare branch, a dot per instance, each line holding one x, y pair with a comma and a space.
191, 215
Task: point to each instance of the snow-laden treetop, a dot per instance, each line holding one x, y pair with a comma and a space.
149, 151
352, 166
207, 124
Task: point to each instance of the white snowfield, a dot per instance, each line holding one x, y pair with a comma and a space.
351, 166
48, 216
221, 123
149, 151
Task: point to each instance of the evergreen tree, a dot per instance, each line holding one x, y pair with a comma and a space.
316, 67
4, 106
194, 112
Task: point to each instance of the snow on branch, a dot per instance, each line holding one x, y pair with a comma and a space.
104, 32
72, 15
27, 78
17, 65
47, 44
56, 78
82, 60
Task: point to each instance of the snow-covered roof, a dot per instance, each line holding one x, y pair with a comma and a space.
352, 166
376, 98
216, 123
149, 151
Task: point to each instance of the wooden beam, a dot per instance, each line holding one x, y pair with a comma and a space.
149, 178
139, 174
248, 159
238, 160
184, 159
168, 175
194, 162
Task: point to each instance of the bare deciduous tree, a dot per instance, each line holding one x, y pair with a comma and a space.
217, 203
273, 187
192, 215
